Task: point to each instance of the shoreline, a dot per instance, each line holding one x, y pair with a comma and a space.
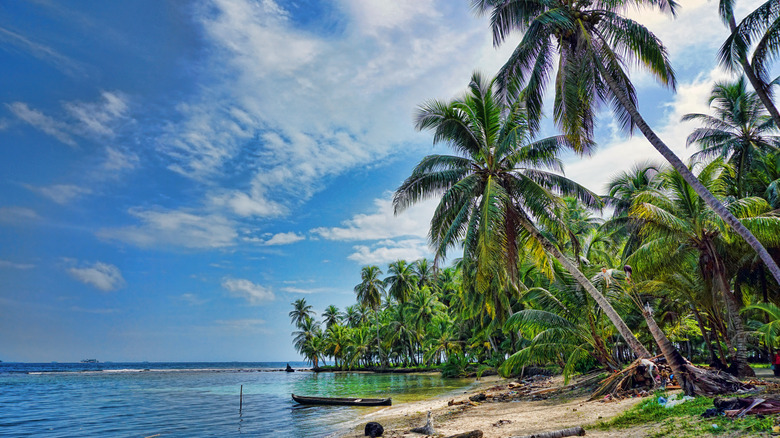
502, 414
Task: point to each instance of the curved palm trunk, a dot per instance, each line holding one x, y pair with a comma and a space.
692, 380
639, 350
757, 83
688, 176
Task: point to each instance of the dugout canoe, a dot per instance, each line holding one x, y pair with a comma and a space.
333, 401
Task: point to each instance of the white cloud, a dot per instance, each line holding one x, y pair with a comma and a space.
382, 223
99, 117
390, 250
102, 276
20, 215
12, 265
60, 193
175, 228
108, 311
43, 122
118, 160
281, 239
255, 294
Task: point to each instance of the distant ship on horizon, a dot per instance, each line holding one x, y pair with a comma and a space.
89, 361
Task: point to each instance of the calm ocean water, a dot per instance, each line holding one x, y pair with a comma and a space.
190, 399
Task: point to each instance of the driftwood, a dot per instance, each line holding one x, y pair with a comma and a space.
428, 428
572, 431
473, 434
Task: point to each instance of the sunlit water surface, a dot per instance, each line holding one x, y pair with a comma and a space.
191, 399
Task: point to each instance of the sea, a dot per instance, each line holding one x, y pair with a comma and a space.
165, 400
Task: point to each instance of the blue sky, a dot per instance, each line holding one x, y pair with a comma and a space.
175, 174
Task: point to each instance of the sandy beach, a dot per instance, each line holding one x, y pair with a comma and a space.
503, 413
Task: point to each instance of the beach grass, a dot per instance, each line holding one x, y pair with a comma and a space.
684, 420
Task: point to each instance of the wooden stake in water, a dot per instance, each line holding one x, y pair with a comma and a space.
241, 399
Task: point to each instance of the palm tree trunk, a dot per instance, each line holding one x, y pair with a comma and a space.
757, 83
639, 350
687, 175
692, 380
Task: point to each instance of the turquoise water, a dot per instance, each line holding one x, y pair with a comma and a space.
190, 400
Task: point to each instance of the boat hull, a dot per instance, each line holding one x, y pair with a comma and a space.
332, 401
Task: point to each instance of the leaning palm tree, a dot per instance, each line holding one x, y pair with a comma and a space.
738, 130
593, 42
763, 25
493, 187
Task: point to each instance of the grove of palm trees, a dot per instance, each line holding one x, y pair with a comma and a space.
530, 268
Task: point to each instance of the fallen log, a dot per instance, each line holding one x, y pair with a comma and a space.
473, 434
572, 431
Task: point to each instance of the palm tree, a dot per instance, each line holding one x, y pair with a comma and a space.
593, 43
621, 190
738, 130
354, 316
331, 316
764, 24
493, 187
300, 312
369, 295
402, 280
308, 340
676, 223
424, 271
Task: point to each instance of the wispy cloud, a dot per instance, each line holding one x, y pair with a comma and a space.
107, 311
12, 265
244, 325
42, 52
161, 228
17, 215
43, 122
382, 223
96, 120
60, 193
311, 291
193, 299
99, 118
103, 276
255, 294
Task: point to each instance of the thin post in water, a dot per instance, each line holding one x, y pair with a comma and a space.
241, 399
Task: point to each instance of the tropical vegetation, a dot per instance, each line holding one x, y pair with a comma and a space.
675, 259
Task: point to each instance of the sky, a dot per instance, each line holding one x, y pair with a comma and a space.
174, 174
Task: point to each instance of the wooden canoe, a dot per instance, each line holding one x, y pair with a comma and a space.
342, 401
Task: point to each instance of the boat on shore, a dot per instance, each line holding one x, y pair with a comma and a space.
335, 401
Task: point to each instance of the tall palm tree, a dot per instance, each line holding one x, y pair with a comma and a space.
493, 187
762, 24
739, 129
369, 295
593, 42
308, 340
401, 280
331, 316
301, 311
